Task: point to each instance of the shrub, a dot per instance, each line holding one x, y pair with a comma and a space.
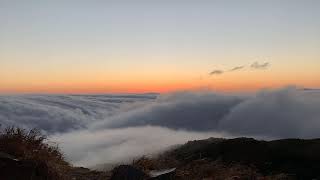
33, 146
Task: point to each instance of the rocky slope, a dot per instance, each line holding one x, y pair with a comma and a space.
241, 158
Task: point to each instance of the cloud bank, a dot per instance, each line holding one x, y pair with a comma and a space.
285, 113
108, 129
62, 113
193, 111
111, 146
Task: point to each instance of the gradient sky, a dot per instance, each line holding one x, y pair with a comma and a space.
157, 46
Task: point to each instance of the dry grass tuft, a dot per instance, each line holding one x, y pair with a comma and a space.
33, 146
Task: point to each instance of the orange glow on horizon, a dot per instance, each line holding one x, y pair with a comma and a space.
156, 81
220, 85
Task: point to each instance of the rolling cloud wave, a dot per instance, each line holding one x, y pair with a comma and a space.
108, 129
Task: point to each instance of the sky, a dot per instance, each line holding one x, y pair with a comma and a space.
157, 46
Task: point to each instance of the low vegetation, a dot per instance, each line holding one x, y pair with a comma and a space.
34, 147
240, 158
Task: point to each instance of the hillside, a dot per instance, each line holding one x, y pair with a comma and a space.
241, 158
28, 153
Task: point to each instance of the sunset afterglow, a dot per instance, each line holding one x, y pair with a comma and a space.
105, 47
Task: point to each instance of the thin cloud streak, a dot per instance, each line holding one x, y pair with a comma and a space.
257, 65
237, 68
216, 72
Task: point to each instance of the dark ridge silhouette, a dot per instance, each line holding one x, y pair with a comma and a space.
295, 157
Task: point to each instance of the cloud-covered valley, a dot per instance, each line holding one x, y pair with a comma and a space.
98, 129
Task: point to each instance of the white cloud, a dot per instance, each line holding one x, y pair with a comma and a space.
106, 129
90, 148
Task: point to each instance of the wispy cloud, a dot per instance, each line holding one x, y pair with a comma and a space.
216, 72
257, 65
237, 68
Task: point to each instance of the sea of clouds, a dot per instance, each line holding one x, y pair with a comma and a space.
106, 129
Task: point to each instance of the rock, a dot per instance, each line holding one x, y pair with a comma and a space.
14, 169
126, 172
168, 174
80, 173
7, 156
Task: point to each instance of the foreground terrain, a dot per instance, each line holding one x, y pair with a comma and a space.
241, 158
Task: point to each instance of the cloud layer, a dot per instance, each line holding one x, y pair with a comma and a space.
62, 113
282, 113
111, 146
193, 111
108, 129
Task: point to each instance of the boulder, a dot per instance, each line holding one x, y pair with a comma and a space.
14, 169
127, 172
